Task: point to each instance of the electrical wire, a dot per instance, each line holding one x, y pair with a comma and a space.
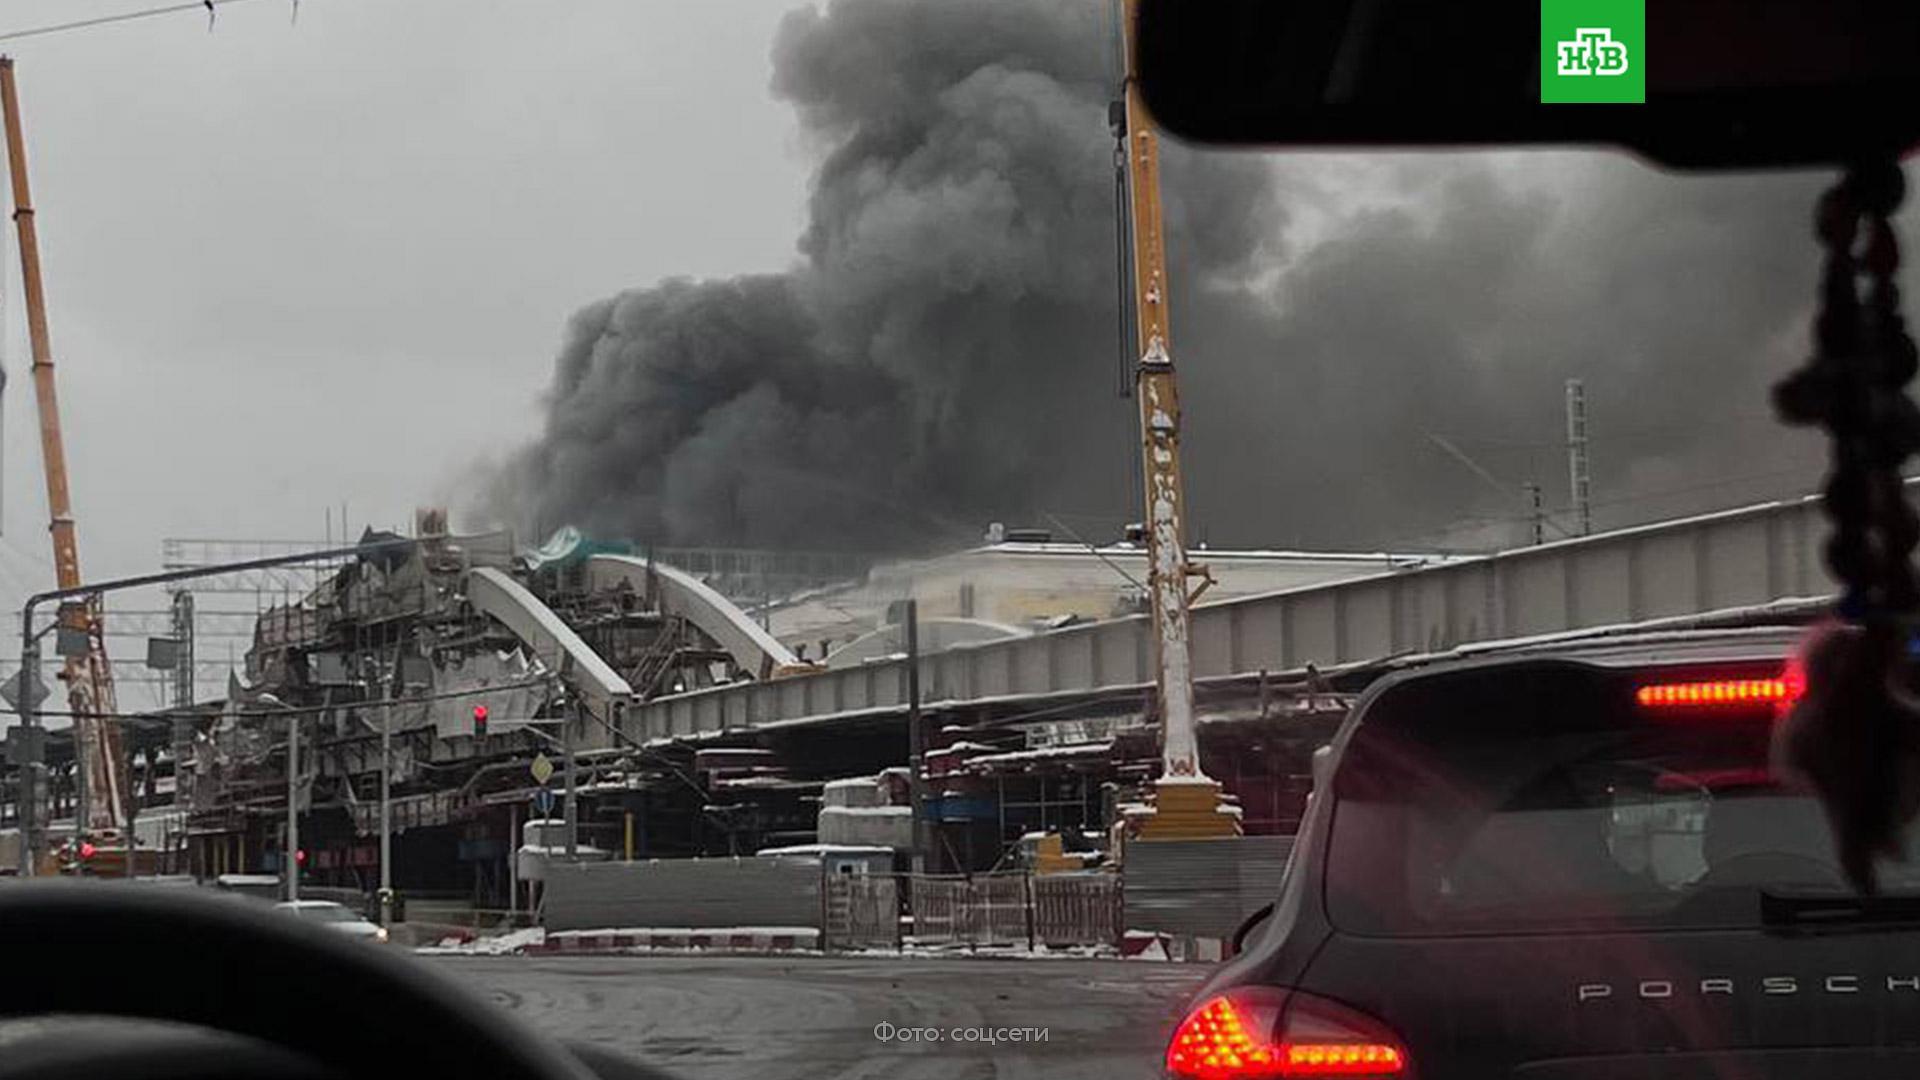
124, 16
1465, 524
663, 760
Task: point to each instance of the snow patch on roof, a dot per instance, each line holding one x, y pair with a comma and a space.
1045, 753
827, 849
849, 783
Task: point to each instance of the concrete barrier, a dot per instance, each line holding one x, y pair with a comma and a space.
724, 939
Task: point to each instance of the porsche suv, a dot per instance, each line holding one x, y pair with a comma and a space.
1563, 863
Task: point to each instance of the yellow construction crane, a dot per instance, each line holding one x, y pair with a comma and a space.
88, 677
1187, 803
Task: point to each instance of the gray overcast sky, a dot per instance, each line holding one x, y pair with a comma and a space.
295, 264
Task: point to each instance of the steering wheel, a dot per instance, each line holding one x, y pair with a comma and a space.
291, 990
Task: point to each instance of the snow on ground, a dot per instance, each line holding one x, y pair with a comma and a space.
498, 945
804, 939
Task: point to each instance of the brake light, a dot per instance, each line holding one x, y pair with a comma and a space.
1222, 1039
1720, 692
1255, 1032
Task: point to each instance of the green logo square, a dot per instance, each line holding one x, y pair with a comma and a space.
1593, 51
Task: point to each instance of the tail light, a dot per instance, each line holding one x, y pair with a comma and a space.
1780, 691
1715, 692
1253, 1032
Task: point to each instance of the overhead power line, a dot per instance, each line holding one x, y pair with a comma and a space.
1485, 521
124, 16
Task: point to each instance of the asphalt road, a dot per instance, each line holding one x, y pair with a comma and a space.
733, 1018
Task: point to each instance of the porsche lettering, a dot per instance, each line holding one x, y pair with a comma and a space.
1774, 985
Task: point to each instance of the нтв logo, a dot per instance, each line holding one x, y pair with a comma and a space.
1593, 51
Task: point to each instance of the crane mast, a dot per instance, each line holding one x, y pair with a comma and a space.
88, 677
1187, 802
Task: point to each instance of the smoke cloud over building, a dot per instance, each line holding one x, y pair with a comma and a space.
943, 352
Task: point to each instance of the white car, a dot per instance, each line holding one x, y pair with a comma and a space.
337, 917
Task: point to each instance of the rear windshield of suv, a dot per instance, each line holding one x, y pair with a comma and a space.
1557, 803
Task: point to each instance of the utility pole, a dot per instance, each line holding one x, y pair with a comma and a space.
290, 853
386, 803
1539, 518
1578, 483
566, 748
133, 810
1187, 802
80, 792
30, 769
182, 733
916, 738
89, 680
183, 688
513, 864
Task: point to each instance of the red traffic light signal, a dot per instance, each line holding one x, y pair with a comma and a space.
479, 719
300, 856
87, 849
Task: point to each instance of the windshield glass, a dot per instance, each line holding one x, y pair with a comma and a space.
699, 481
1515, 821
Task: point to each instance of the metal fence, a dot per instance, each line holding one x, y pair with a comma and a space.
1017, 909
862, 911
1077, 909
939, 907
1188, 889
997, 911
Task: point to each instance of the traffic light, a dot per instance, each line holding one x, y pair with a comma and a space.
479, 721
87, 849
299, 856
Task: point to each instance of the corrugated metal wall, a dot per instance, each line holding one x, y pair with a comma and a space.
699, 893
1203, 888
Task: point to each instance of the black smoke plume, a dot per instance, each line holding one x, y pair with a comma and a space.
943, 352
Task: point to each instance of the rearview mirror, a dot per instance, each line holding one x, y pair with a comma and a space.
1725, 83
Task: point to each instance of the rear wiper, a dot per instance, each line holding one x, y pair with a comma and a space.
1777, 909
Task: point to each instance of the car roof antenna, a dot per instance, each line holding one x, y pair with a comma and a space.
1854, 737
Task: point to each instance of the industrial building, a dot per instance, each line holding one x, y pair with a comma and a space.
693, 729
